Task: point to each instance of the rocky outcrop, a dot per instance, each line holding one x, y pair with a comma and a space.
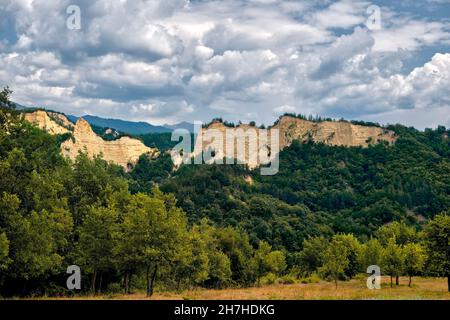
335, 133
124, 151
52, 123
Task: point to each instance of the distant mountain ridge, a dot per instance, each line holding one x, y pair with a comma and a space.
124, 126
130, 127
182, 125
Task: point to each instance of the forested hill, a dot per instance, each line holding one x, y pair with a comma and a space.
215, 225
321, 189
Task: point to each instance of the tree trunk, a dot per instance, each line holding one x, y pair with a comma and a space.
94, 279
396, 280
152, 283
336, 276
147, 277
391, 281
125, 282
130, 275
151, 280
410, 280
100, 283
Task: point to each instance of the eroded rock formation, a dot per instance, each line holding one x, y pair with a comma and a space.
124, 151
336, 133
53, 123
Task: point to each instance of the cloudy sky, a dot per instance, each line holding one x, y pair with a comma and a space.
165, 61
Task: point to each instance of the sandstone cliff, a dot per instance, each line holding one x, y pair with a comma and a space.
124, 151
53, 123
336, 133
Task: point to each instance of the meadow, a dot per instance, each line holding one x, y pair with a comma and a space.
422, 289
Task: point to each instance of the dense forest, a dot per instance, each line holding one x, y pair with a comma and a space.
329, 213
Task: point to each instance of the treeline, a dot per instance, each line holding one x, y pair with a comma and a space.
397, 249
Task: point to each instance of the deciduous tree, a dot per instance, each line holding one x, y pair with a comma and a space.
437, 242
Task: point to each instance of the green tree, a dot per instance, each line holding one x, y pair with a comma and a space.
414, 260
219, 268
335, 261
268, 261
4, 251
219, 271
353, 253
260, 259
437, 243
194, 266
276, 262
402, 233
6, 111
392, 259
236, 245
371, 253
37, 242
152, 235
310, 259
95, 245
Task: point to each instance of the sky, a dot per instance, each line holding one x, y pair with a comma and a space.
167, 61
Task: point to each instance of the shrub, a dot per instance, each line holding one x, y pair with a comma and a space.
269, 278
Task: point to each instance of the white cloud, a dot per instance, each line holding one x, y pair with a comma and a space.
341, 14
169, 60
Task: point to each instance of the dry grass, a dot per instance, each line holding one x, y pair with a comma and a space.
423, 288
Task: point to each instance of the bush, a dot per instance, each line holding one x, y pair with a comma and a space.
313, 278
287, 279
269, 278
361, 276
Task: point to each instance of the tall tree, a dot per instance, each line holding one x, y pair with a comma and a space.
437, 242
268, 261
371, 253
353, 253
219, 265
335, 261
402, 233
95, 245
4, 251
392, 259
414, 260
5, 100
153, 234
310, 258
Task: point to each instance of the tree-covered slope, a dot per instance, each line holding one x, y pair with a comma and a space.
322, 189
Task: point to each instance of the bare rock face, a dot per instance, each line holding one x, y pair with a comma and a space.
124, 151
245, 149
335, 133
43, 120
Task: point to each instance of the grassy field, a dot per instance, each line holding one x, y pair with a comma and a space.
422, 288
